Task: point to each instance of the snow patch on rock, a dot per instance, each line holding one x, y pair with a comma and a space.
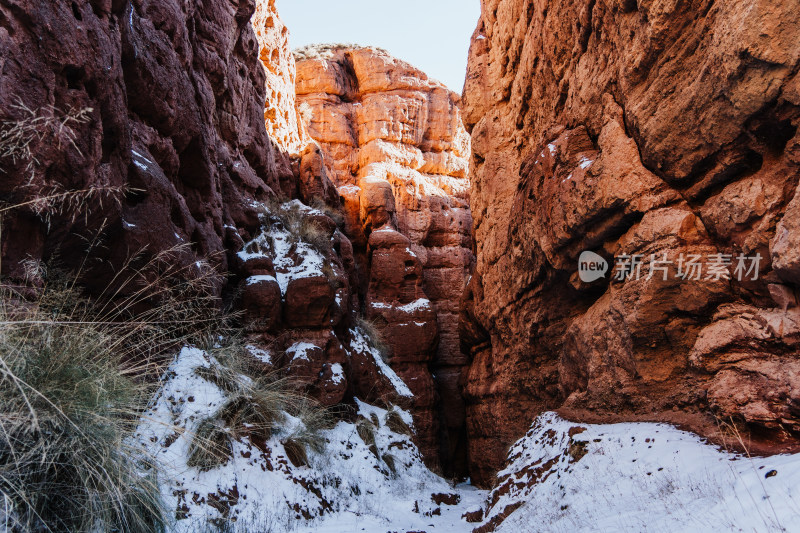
382, 486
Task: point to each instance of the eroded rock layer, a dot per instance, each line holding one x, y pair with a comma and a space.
625, 128
144, 122
394, 145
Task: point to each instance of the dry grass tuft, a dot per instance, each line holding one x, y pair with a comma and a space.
311, 233
307, 435
334, 213
396, 423
390, 462
73, 383
211, 446
295, 451
313, 420
293, 218
256, 408
68, 402
223, 378
374, 336
19, 138
366, 431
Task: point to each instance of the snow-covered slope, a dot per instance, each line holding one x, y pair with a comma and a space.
373, 477
639, 477
370, 477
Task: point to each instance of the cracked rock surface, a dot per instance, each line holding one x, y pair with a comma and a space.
618, 127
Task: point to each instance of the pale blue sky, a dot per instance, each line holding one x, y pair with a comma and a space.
432, 35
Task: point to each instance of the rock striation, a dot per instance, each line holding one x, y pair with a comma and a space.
662, 130
393, 144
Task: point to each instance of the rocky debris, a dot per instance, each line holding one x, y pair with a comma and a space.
391, 141
631, 128
174, 99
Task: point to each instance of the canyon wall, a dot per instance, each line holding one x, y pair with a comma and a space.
172, 130
641, 131
393, 143
160, 134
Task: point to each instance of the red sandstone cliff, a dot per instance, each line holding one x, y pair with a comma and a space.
176, 99
650, 128
393, 144
645, 128
202, 137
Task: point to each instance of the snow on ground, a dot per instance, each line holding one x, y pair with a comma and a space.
640, 477
368, 478
561, 476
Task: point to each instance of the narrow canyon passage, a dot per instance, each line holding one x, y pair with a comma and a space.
564, 299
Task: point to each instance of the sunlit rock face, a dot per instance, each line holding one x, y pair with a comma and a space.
172, 98
394, 145
275, 53
631, 128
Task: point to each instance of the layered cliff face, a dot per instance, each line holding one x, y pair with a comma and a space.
148, 129
662, 130
393, 143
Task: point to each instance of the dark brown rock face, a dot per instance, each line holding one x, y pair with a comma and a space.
663, 129
176, 97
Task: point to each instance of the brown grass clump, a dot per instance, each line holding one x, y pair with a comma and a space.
374, 336
390, 462
396, 423
211, 446
332, 212
73, 383
293, 218
69, 400
256, 408
366, 431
